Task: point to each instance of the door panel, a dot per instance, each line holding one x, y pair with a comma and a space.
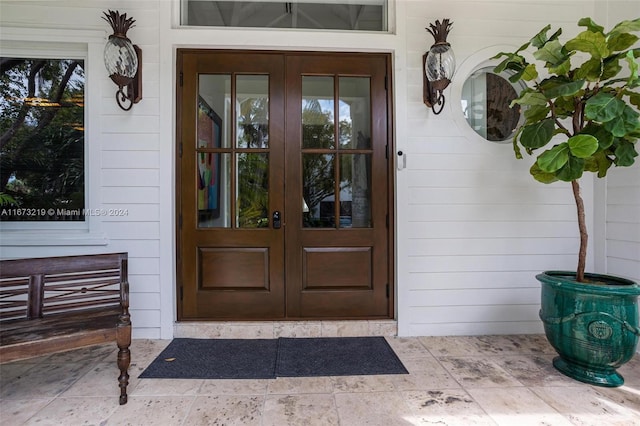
348, 268
283, 218
230, 175
337, 266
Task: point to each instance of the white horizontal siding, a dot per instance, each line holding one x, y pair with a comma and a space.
623, 222
473, 228
128, 143
131, 142
133, 160
487, 263
502, 229
130, 177
130, 195
471, 280
495, 196
473, 297
492, 246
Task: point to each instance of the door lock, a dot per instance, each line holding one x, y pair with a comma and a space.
277, 223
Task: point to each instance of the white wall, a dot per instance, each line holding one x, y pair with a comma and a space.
472, 227
623, 223
622, 191
476, 228
123, 149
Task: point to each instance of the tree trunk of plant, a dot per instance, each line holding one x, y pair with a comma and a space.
582, 226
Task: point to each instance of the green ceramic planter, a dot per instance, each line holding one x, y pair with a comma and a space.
593, 327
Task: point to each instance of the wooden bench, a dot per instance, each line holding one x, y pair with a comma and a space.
60, 303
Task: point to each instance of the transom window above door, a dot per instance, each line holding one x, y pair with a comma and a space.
350, 15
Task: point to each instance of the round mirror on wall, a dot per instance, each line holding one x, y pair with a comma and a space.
486, 97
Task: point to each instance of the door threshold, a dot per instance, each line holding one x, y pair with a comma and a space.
275, 329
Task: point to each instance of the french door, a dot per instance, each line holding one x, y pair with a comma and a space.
283, 186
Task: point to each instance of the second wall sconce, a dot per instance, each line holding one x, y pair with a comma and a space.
123, 60
438, 65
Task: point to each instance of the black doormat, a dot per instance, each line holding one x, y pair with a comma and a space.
215, 359
271, 358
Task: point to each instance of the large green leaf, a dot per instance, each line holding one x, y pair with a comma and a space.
562, 68
624, 123
633, 70
572, 170
625, 154
604, 163
541, 176
536, 112
564, 107
552, 53
554, 159
560, 86
599, 163
603, 107
604, 137
582, 146
634, 98
590, 70
530, 98
538, 134
620, 42
612, 68
530, 73
625, 27
513, 61
540, 39
592, 43
592, 26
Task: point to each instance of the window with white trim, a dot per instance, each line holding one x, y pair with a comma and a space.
42, 142
86, 47
345, 15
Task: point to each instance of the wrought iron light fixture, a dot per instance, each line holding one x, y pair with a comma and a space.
123, 60
438, 65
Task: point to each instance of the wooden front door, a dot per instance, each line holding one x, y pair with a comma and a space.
283, 186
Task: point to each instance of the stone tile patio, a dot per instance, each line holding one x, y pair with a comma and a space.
481, 380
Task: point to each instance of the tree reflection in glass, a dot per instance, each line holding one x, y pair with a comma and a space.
42, 138
252, 203
252, 118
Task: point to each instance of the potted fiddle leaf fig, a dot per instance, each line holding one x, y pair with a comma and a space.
581, 115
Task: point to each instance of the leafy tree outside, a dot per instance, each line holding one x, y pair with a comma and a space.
42, 139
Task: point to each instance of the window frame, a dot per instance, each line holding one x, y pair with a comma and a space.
64, 44
178, 7
481, 58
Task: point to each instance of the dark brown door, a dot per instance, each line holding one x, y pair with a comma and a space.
283, 185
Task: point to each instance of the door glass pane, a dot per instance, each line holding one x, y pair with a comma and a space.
252, 115
214, 96
351, 15
213, 185
318, 118
252, 192
355, 194
355, 113
213, 180
318, 190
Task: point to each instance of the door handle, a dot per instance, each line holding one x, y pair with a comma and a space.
277, 222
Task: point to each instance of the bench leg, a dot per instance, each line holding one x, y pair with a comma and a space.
124, 360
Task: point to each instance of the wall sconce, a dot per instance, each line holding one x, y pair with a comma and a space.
438, 65
123, 60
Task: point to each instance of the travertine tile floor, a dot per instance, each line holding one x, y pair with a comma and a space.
485, 380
